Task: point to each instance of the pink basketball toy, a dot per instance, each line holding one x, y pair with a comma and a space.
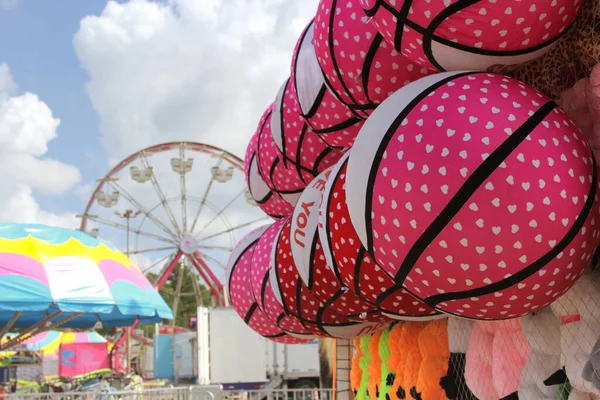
269, 201
311, 263
360, 67
261, 285
240, 291
299, 146
326, 115
286, 181
350, 262
453, 35
300, 302
476, 193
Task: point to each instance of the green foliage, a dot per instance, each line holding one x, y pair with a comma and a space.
187, 306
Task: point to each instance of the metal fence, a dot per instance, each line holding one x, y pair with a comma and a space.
281, 394
181, 393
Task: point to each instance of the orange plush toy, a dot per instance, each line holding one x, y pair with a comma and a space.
356, 371
374, 366
433, 344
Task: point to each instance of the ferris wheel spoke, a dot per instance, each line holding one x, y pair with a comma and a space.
182, 187
229, 230
221, 248
151, 250
221, 212
204, 197
155, 263
161, 195
117, 225
213, 260
165, 273
140, 207
208, 276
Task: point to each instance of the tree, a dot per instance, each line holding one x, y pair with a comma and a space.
187, 307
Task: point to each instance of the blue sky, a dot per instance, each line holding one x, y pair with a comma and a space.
36, 40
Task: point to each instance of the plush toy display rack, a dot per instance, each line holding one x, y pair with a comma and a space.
431, 169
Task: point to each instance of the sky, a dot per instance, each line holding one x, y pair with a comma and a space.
85, 84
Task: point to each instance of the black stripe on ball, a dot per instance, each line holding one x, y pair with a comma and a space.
251, 310
429, 32
311, 270
334, 264
384, 144
535, 266
462, 196
263, 287
332, 52
242, 254
315, 106
336, 128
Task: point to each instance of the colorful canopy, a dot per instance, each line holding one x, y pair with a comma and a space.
60, 273
49, 342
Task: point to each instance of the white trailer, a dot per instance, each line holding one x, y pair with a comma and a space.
232, 355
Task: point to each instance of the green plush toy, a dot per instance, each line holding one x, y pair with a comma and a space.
387, 377
365, 360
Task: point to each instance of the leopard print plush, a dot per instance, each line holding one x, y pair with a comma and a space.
571, 59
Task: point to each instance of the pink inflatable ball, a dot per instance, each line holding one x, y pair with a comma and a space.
284, 180
269, 201
360, 67
299, 146
476, 193
350, 262
240, 291
311, 263
487, 35
261, 286
300, 302
325, 114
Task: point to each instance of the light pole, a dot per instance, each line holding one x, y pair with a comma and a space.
128, 214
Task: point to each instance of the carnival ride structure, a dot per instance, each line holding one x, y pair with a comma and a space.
171, 206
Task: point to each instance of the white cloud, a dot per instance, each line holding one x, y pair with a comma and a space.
201, 71
26, 127
188, 69
8, 4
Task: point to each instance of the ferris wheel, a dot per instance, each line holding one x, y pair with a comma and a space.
175, 204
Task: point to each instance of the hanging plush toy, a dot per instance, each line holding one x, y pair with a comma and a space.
356, 371
455, 35
365, 362
421, 358
571, 59
582, 103
387, 377
459, 333
580, 316
496, 356
374, 366
541, 376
